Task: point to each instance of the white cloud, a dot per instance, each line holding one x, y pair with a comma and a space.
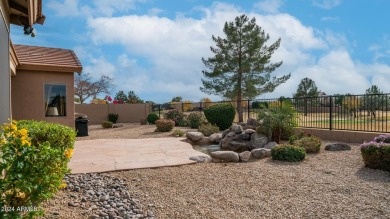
65, 8
330, 19
269, 6
326, 4
155, 11
100, 66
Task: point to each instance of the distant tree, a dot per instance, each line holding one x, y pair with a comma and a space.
373, 101
133, 98
120, 97
306, 88
352, 104
241, 65
177, 99
85, 87
338, 99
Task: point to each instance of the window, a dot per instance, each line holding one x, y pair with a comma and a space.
55, 100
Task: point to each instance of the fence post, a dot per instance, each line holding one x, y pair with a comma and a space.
330, 113
249, 111
182, 107
200, 106
159, 111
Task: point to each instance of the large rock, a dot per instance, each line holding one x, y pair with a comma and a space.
203, 141
261, 153
215, 138
271, 145
337, 147
258, 141
201, 159
225, 156
224, 133
245, 137
249, 131
231, 136
253, 122
194, 136
236, 128
245, 156
237, 146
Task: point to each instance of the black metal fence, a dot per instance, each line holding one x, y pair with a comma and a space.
369, 113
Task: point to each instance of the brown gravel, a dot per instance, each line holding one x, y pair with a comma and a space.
327, 185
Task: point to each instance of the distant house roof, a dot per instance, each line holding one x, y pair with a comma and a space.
47, 59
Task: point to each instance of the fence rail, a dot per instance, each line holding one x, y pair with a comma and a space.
369, 113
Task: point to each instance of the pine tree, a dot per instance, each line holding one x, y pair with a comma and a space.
241, 65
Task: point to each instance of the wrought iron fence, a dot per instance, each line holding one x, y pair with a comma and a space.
370, 113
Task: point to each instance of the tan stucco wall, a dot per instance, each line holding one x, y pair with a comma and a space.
128, 113
340, 135
28, 95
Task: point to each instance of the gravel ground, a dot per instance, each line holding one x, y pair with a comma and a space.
327, 185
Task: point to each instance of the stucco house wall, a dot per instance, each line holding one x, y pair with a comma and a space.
5, 101
28, 101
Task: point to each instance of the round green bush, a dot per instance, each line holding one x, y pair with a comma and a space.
176, 115
113, 117
288, 153
221, 114
208, 129
152, 118
165, 125
107, 124
194, 119
311, 144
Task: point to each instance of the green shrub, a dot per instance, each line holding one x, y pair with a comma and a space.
183, 122
208, 129
152, 118
176, 115
376, 153
279, 119
195, 119
34, 160
113, 117
221, 114
165, 125
107, 124
178, 133
311, 144
288, 153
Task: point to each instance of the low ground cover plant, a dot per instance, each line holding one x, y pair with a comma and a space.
288, 153
164, 125
311, 144
152, 118
208, 129
34, 158
221, 114
107, 124
376, 153
178, 133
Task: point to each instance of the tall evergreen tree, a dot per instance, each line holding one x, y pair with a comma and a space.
241, 65
307, 88
133, 98
373, 101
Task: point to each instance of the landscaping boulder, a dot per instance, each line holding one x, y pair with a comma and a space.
202, 142
271, 145
337, 147
253, 122
194, 136
215, 138
231, 136
237, 146
261, 153
248, 127
249, 131
236, 129
201, 159
225, 156
245, 156
118, 125
258, 141
245, 137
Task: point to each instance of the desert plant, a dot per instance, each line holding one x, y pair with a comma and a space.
176, 115
34, 159
311, 144
113, 117
208, 129
288, 153
178, 133
165, 125
279, 120
376, 153
107, 124
222, 115
195, 119
152, 118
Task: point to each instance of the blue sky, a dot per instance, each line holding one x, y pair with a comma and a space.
154, 47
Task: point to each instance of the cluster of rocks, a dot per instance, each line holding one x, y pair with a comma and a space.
238, 143
104, 196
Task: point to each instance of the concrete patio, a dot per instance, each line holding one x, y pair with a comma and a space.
103, 155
